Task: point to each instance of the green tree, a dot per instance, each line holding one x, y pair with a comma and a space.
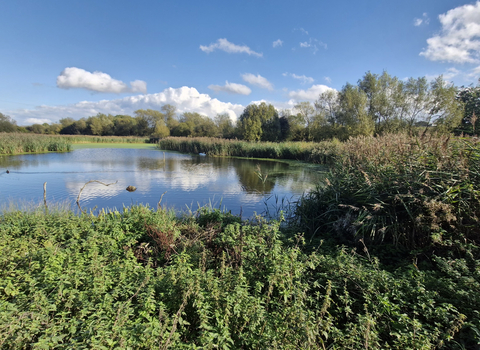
7, 124
470, 96
306, 112
353, 115
147, 121
78, 127
37, 128
446, 111
124, 125
225, 126
170, 116
101, 124
387, 100
255, 118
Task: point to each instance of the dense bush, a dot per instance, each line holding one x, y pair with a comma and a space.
144, 279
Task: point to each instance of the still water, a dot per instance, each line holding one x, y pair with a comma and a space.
242, 186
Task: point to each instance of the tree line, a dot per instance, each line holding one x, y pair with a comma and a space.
376, 105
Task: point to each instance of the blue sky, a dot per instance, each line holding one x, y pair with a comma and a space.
78, 58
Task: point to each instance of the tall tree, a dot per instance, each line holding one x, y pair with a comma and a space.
7, 124
255, 118
306, 112
353, 114
470, 96
147, 121
225, 126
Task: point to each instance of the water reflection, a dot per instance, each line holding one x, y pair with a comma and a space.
188, 179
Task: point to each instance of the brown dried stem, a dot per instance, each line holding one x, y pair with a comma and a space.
79, 193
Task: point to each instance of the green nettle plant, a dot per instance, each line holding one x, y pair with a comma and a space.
144, 279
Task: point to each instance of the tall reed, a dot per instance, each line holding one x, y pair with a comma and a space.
13, 143
414, 192
320, 153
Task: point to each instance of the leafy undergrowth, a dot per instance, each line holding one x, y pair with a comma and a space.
144, 279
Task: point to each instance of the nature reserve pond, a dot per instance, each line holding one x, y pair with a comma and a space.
189, 180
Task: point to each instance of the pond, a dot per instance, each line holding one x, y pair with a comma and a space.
243, 186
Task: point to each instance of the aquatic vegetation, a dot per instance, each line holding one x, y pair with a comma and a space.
314, 152
15, 143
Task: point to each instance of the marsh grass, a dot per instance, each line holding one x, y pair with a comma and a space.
319, 153
14, 143
411, 192
103, 139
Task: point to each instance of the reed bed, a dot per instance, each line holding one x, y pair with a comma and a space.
14, 143
319, 153
104, 139
419, 193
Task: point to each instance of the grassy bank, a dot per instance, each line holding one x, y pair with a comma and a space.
319, 153
11, 143
145, 279
17, 143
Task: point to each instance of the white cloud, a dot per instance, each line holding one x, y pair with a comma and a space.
302, 30
458, 40
186, 99
303, 78
474, 73
77, 78
257, 80
419, 21
311, 94
277, 43
231, 88
225, 45
31, 121
328, 80
313, 44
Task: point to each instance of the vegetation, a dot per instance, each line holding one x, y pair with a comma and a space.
319, 153
376, 105
416, 193
384, 254
26, 143
145, 279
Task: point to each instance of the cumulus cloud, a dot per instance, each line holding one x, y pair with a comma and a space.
257, 80
77, 78
303, 78
277, 43
231, 88
311, 94
458, 40
423, 20
225, 45
31, 121
186, 99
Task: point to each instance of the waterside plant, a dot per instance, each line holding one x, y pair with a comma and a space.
319, 152
15, 143
145, 279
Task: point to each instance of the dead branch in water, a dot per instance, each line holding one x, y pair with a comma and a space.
160, 201
45, 194
79, 193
